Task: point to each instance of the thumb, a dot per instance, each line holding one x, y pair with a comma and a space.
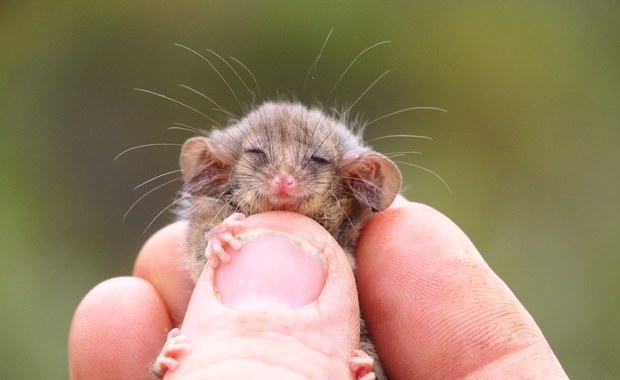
284, 307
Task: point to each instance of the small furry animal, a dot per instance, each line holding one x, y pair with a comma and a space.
285, 156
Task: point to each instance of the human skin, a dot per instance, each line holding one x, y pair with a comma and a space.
433, 306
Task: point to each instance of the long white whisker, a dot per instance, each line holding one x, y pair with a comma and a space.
404, 110
399, 136
252, 94
215, 69
365, 91
220, 210
315, 63
178, 102
226, 112
249, 72
201, 94
143, 146
161, 212
345, 214
156, 177
147, 193
187, 128
351, 64
428, 171
400, 154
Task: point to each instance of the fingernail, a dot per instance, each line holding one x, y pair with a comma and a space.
272, 270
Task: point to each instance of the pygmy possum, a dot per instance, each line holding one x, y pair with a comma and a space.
281, 156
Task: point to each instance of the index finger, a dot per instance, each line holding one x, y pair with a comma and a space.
434, 307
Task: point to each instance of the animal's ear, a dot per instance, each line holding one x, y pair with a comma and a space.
374, 180
202, 162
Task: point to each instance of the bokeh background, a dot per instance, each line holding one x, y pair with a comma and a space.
529, 146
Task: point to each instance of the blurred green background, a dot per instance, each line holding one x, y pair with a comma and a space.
529, 146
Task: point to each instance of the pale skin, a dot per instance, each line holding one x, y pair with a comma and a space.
433, 306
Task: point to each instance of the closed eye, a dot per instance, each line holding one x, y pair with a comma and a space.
256, 151
319, 160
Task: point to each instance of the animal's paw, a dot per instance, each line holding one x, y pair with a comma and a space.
222, 236
168, 359
361, 365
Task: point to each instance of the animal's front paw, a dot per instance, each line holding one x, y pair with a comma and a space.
361, 365
168, 359
222, 236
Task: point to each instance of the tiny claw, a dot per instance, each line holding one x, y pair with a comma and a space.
174, 333
362, 364
167, 360
224, 257
168, 363
232, 241
237, 216
223, 236
236, 244
368, 376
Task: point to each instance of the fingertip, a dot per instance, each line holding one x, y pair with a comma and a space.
406, 239
164, 247
162, 262
433, 305
117, 330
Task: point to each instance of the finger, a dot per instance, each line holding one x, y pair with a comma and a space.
434, 307
117, 331
162, 262
284, 307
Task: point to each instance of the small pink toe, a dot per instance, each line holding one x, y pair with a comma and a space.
168, 359
361, 364
223, 236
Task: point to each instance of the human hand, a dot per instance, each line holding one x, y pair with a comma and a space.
433, 306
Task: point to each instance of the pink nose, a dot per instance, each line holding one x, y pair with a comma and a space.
283, 183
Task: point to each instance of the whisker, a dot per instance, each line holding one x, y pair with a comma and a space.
187, 128
156, 177
365, 91
143, 146
358, 194
201, 94
226, 112
249, 72
315, 63
179, 103
215, 69
404, 110
399, 136
147, 193
351, 64
369, 183
428, 171
401, 154
252, 94
160, 213
343, 211
227, 203
193, 207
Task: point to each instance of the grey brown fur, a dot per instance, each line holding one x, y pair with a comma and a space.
338, 181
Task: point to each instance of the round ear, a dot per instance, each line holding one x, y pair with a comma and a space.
202, 164
374, 179
193, 152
